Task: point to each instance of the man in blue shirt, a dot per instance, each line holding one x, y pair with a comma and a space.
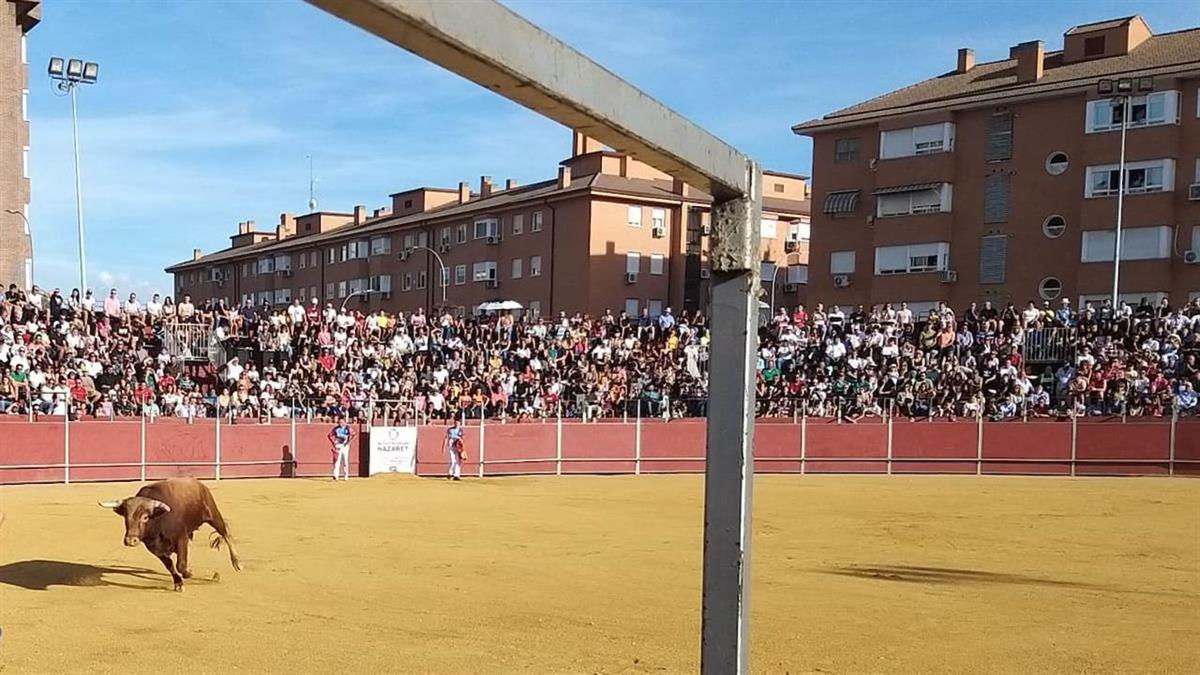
453, 445
339, 440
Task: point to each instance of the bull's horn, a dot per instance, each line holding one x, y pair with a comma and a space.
110, 504
160, 506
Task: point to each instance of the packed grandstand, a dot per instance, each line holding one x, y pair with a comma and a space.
91, 357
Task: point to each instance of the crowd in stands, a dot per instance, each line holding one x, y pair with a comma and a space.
88, 357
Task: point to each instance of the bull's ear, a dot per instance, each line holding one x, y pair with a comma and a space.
158, 508
115, 505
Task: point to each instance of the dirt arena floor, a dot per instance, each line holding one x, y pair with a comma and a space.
602, 575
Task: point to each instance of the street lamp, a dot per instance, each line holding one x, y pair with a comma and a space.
775, 275
68, 76
28, 232
1121, 91
357, 294
445, 270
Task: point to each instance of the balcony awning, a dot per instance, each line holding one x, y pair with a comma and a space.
915, 187
841, 202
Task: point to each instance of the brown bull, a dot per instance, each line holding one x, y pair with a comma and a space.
165, 515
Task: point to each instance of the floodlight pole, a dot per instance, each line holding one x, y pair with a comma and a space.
491, 45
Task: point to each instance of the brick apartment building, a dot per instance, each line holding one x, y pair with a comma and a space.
17, 17
998, 181
609, 232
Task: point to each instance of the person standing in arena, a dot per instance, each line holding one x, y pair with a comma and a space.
339, 439
453, 445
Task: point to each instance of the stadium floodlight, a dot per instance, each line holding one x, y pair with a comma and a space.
75, 69
91, 71
56, 67
1145, 84
68, 79
1121, 90
1124, 85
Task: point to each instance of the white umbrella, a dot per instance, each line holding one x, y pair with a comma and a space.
500, 305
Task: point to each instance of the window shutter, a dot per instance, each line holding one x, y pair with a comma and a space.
999, 137
996, 196
993, 259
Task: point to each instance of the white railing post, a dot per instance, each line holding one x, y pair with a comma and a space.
66, 445
889, 446
481, 447
979, 443
294, 469
1074, 440
217, 468
1171, 456
637, 440
558, 445
803, 438
142, 450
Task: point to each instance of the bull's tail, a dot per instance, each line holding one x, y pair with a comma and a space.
222, 535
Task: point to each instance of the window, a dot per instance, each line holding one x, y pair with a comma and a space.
422, 238
1054, 227
312, 293
1056, 163
655, 307
382, 283
769, 228
517, 264
1137, 243
535, 266
381, 245
1050, 288
408, 203
484, 271
341, 289
779, 187
332, 256
315, 256
422, 279
535, 308
634, 216
797, 274
1093, 46
842, 201
330, 290
633, 262
907, 200
283, 296
25, 162
518, 225
842, 262
801, 230
1160, 107
246, 267
535, 224
844, 150
303, 260
1140, 177
460, 275
446, 236
283, 262
656, 264
406, 282
997, 197
658, 219
266, 266
999, 137
923, 140
487, 227
408, 242
993, 259
631, 306
264, 298
462, 234
912, 258
766, 271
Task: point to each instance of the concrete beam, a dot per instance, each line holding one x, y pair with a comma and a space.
496, 48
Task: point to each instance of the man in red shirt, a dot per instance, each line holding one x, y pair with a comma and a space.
327, 362
800, 317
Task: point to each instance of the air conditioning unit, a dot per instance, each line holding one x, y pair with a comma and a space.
631, 277
1191, 257
658, 231
705, 273
871, 220
949, 276
285, 273
873, 163
444, 248
1194, 192
841, 280
492, 283
404, 254
791, 288
791, 246
493, 240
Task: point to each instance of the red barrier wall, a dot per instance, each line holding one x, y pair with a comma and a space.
34, 451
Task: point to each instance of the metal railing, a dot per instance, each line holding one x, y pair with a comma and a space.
190, 341
1049, 345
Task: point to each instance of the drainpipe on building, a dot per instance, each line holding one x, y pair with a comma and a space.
550, 262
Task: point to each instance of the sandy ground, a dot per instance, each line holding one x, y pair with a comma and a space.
602, 575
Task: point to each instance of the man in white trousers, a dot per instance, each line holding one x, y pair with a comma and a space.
453, 445
339, 439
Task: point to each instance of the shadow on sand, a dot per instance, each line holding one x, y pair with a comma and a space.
40, 575
949, 575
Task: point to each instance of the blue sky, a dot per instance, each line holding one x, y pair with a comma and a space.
205, 110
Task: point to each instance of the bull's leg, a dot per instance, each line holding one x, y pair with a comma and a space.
166, 561
181, 559
218, 523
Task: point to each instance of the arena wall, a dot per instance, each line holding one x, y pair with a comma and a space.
53, 450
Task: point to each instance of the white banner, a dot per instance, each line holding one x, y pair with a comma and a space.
393, 450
